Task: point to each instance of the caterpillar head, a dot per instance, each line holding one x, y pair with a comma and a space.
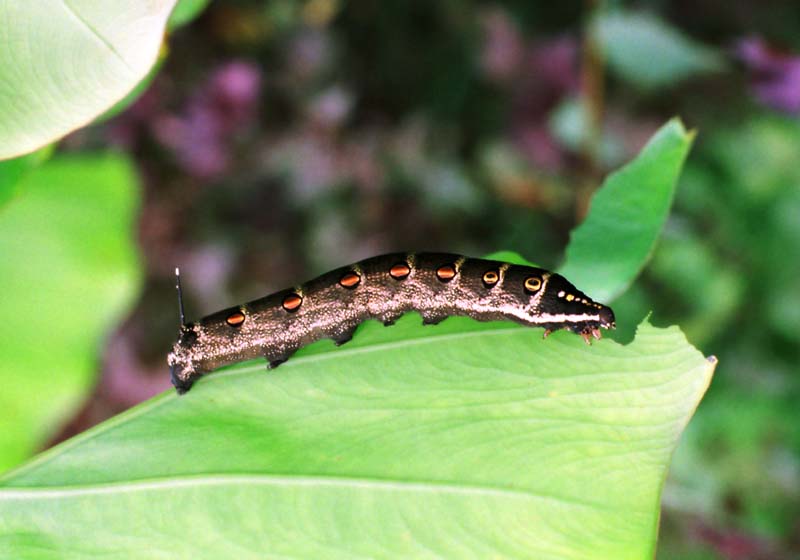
556, 303
181, 360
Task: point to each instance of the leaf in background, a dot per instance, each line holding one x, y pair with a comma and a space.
460, 439
568, 124
69, 270
607, 251
510, 257
708, 294
648, 52
185, 11
12, 172
64, 63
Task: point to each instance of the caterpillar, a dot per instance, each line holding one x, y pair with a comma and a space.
436, 285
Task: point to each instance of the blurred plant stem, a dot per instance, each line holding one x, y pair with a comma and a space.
593, 100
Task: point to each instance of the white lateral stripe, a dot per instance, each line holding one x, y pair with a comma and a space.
537, 318
562, 317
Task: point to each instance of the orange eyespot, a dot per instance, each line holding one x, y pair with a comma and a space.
400, 271
533, 284
235, 319
350, 280
446, 273
292, 302
490, 278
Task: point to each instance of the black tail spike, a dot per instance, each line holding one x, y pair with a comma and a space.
180, 296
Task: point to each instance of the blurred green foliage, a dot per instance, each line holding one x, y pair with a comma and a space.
70, 271
13, 171
731, 267
646, 51
184, 12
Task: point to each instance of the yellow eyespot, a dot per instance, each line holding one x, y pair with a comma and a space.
490, 278
533, 284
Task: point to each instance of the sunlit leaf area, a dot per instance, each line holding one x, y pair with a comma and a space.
648, 152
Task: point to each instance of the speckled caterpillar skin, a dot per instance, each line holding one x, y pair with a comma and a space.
436, 285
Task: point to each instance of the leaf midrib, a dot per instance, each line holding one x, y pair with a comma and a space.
285, 480
96, 34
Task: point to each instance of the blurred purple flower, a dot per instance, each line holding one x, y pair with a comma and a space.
314, 162
555, 64
202, 138
330, 109
209, 267
538, 76
548, 75
775, 75
537, 143
234, 91
308, 54
733, 544
503, 47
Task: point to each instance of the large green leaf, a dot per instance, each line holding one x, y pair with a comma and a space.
609, 249
461, 440
64, 62
68, 269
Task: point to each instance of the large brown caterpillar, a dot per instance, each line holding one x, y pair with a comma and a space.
436, 285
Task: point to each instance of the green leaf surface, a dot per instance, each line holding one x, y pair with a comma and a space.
460, 440
69, 270
609, 249
650, 53
64, 62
